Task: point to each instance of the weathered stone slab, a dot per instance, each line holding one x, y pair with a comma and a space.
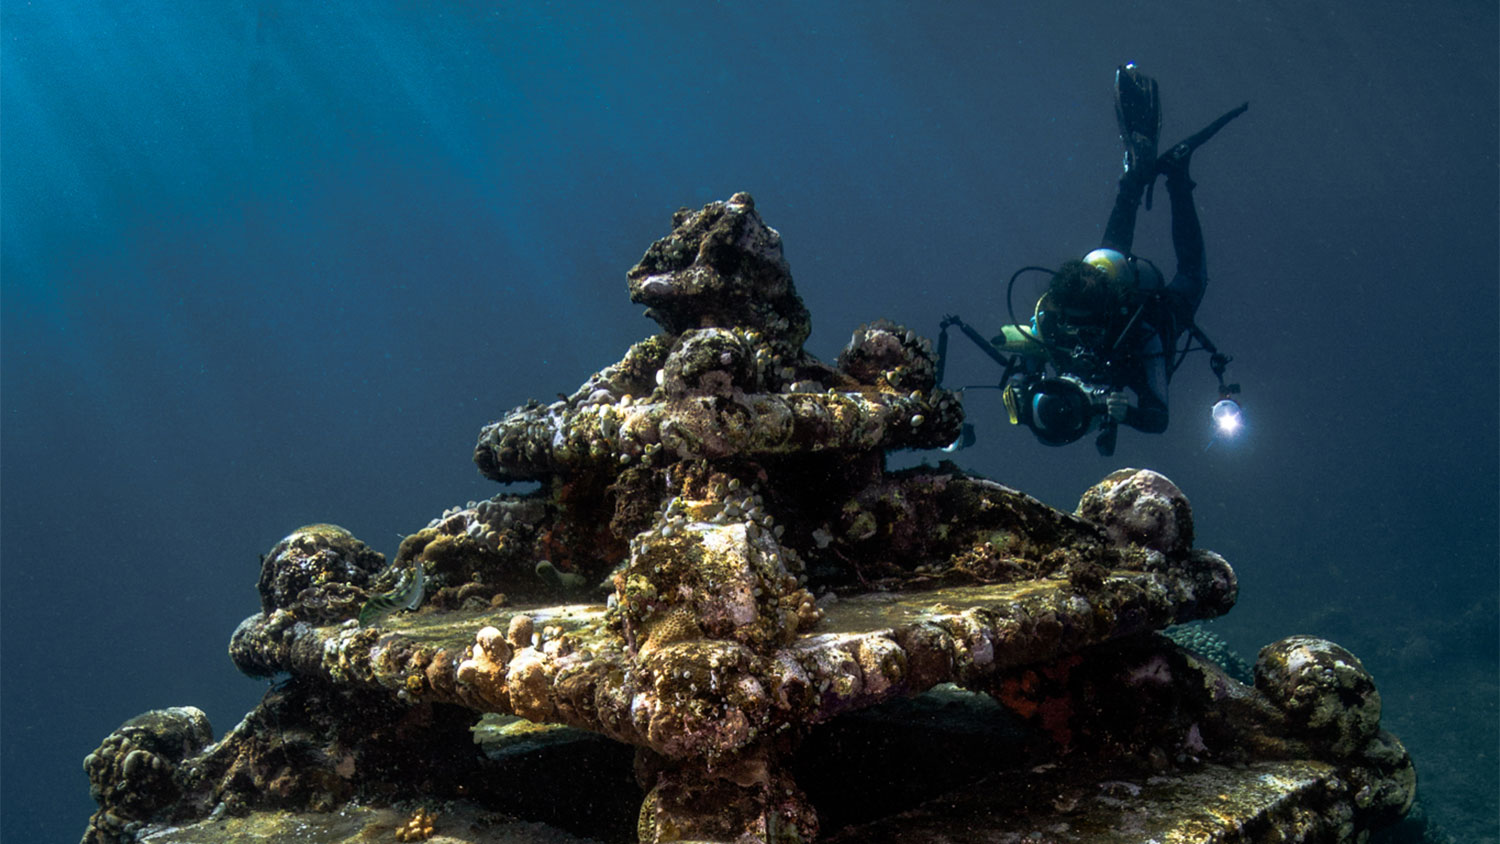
1283, 802
865, 650
355, 824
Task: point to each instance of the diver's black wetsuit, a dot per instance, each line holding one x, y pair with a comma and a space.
1150, 342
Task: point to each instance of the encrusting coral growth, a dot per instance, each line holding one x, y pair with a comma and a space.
420, 828
717, 560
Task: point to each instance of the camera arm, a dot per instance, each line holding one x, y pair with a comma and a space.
1006, 362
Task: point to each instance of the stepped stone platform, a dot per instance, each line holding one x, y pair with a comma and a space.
716, 588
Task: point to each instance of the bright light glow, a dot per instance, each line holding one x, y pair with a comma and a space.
1227, 417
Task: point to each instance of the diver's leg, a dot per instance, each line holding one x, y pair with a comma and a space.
1138, 113
1187, 236
1119, 232
1187, 232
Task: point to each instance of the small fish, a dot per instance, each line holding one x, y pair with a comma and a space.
559, 579
407, 595
965, 439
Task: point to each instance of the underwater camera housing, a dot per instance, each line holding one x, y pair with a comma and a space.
1058, 409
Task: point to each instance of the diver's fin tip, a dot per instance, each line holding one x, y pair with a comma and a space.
1138, 114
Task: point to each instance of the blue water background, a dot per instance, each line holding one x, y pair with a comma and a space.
273, 263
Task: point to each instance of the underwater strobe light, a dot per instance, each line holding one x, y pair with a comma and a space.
1228, 421
1227, 418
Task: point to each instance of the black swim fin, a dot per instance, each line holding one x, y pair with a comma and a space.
1138, 112
1176, 158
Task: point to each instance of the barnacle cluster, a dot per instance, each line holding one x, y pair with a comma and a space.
318, 572
133, 772
419, 828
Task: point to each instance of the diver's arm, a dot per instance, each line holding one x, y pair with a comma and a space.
1019, 339
1149, 415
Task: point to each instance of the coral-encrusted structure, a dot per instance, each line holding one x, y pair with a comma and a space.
717, 562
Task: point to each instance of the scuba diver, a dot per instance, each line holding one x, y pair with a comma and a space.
1109, 324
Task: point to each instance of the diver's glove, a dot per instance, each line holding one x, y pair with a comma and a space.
1117, 405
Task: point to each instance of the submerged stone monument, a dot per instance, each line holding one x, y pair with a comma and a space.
719, 576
